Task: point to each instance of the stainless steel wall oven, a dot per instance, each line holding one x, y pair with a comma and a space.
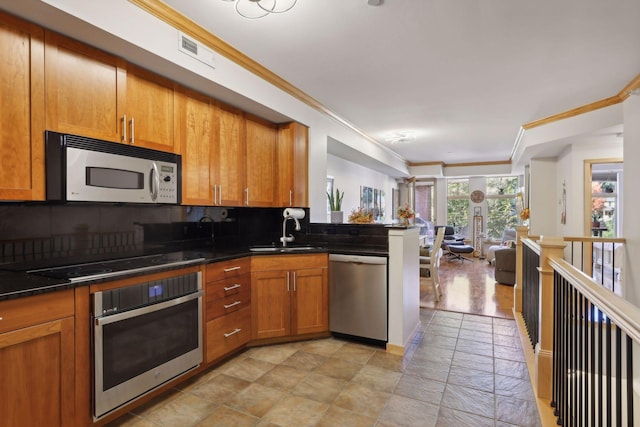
143, 336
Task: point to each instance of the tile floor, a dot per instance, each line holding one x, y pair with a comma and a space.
462, 370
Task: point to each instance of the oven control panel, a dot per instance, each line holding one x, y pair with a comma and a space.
130, 297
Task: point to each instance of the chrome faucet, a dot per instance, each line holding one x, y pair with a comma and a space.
284, 239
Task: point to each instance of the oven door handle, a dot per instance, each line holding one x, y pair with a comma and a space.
105, 320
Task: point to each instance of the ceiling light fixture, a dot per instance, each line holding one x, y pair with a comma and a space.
401, 136
254, 9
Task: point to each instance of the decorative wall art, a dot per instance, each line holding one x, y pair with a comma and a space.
563, 204
372, 201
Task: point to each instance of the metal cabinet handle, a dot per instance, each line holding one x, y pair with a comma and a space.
287, 281
290, 198
246, 199
215, 194
230, 288
133, 131
294, 281
235, 331
226, 270
124, 128
233, 304
220, 194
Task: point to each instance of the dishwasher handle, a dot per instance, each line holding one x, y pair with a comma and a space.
358, 259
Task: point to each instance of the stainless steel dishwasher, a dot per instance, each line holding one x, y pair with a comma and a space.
358, 296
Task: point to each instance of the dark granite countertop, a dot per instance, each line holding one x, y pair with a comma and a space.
16, 283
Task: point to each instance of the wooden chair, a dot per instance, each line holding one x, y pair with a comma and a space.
432, 263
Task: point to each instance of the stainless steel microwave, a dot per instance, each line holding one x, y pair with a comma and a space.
89, 170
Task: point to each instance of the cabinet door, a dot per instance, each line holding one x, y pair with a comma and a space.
37, 371
229, 157
81, 89
260, 168
270, 304
292, 160
21, 110
228, 333
194, 130
149, 110
310, 309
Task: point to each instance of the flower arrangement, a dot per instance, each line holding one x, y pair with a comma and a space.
405, 213
359, 216
524, 214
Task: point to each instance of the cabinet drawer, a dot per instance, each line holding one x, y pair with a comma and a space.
228, 333
22, 312
289, 262
226, 269
227, 296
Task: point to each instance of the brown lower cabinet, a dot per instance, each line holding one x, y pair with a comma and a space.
289, 295
228, 307
37, 360
45, 347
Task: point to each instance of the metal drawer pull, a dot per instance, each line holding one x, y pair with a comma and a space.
230, 288
232, 304
226, 270
235, 331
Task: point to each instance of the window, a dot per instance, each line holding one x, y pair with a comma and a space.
501, 205
605, 183
458, 204
425, 199
329, 191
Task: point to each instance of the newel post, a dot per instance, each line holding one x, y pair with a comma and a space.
549, 247
522, 233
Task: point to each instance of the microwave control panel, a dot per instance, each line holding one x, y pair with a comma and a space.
168, 189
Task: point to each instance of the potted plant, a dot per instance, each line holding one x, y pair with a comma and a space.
595, 219
335, 204
607, 187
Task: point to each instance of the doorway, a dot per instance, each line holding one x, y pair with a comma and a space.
603, 197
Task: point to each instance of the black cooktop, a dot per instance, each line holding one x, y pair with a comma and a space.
118, 267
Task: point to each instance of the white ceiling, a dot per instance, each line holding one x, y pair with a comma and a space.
462, 75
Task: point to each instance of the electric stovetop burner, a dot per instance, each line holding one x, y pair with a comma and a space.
118, 267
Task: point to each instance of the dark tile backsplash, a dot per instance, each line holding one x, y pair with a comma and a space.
374, 236
40, 231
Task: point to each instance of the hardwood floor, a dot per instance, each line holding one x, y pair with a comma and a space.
469, 287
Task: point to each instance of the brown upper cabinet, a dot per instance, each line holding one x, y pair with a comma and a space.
229, 157
212, 144
293, 165
49, 81
21, 110
94, 94
195, 131
148, 111
261, 164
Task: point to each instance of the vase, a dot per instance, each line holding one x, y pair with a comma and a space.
336, 217
404, 222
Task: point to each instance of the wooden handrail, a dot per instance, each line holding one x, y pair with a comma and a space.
595, 239
532, 244
621, 312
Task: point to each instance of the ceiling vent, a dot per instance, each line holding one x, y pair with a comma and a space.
195, 49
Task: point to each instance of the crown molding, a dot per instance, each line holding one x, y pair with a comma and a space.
175, 19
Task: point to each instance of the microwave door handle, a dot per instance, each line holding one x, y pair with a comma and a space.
154, 181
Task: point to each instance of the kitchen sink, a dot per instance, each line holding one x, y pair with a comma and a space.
278, 249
